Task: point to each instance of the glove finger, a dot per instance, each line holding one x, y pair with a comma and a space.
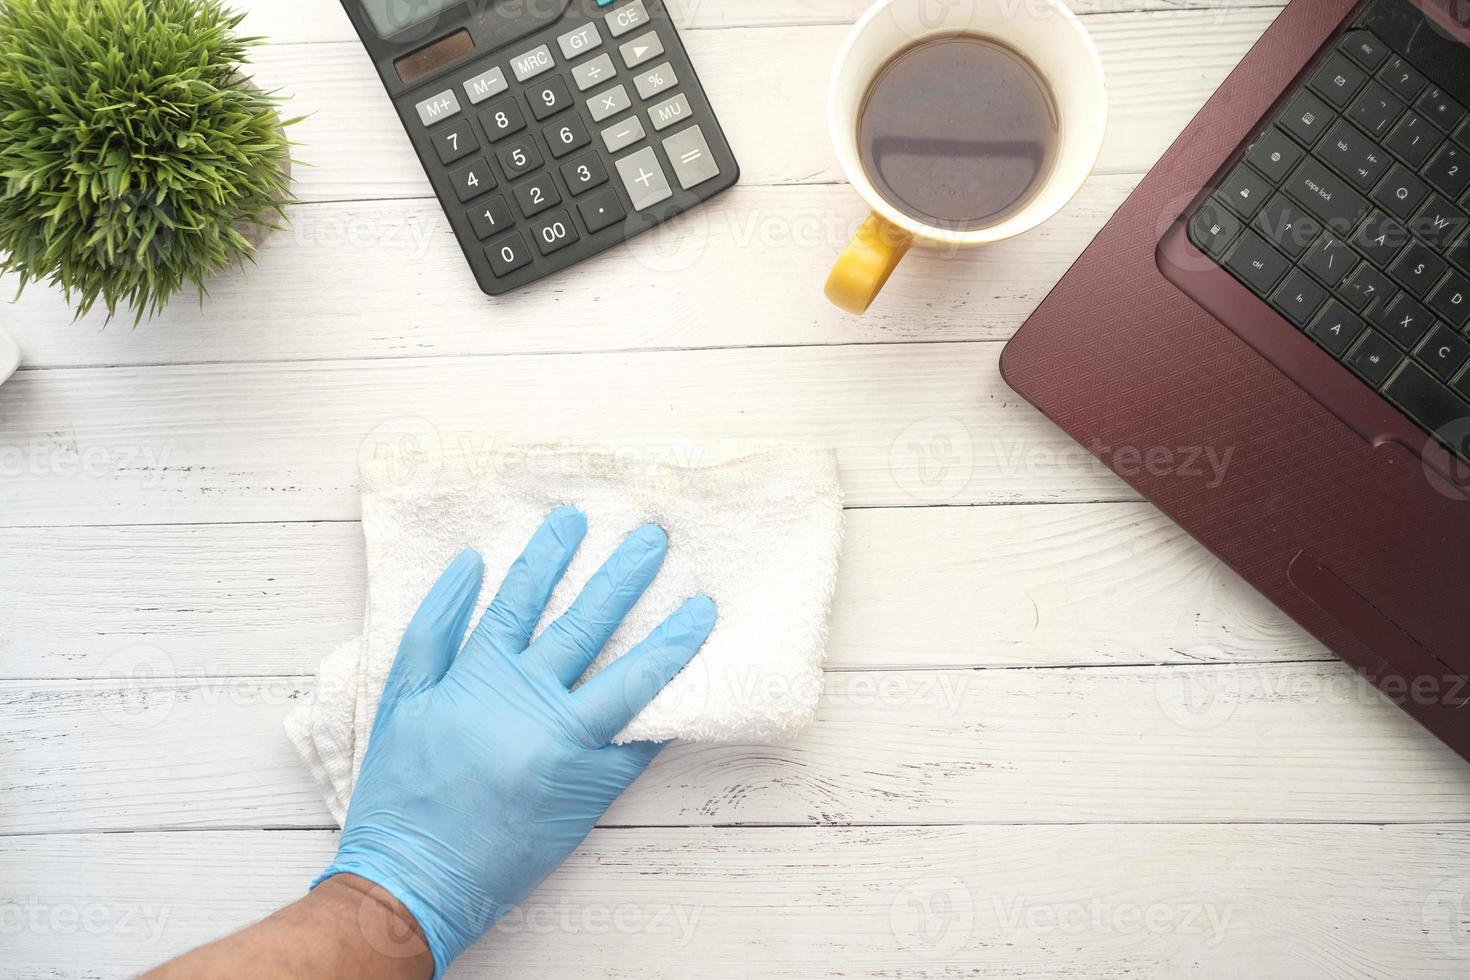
613, 698
569, 645
512, 617
436, 631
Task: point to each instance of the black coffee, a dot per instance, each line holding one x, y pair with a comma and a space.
958, 132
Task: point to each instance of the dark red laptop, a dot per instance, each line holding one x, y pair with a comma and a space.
1291, 285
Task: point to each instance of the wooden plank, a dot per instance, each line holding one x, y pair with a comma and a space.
356, 148
1017, 902
912, 424
919, 587
1256, 743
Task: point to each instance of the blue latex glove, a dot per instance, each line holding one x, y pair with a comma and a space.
484, 770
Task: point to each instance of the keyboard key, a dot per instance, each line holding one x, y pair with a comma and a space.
1258, 264
1213, 228
554, 233
1354, 155
1439, 222
1381, 238
1335, 328
1326, 195
1366, 286
1440, 108
1451, 300
491, 217
1287, 226
1307, 118
1404, 320
1299, 298
1462, 134
508, 254
1375, 110
1443, 352
537, 195
1274, 154
1330, 260
1426, 400
627, 18
549, 98
1403, 80
1244, 190
567, 136
584, 173
1414, 139
502, 119
609, 103
1459, 253
691, 157
1419, 269
591, 74
455, 143
1364, 48
1400, 192
601, 210
472, 180
1450, 171
1338, 80
1374, 358
520, 158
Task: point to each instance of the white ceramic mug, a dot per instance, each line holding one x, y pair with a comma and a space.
1048, 35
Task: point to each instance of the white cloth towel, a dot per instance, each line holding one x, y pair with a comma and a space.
757, 528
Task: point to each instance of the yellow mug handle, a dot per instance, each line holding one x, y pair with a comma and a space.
863, 270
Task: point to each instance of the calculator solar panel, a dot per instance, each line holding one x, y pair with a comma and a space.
1350, 214
549, 131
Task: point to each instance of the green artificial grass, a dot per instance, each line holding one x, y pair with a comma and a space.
130, 149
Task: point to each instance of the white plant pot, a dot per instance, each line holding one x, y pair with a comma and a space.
9, 356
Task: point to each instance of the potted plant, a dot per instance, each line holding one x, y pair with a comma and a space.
135, 158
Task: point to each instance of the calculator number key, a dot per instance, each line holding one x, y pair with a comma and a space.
584, 173
507, 254
501, 119
538, 195
472, 180
490, 218
554, 233
567, 136
520, 157
455, 143
549, 99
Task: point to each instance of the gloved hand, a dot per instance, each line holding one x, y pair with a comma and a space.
484, 770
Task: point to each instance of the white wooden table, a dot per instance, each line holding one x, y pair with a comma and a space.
1059, 740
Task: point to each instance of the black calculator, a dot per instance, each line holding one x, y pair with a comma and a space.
550, 129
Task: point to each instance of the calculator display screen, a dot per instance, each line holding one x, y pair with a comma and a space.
427, 60
394, 16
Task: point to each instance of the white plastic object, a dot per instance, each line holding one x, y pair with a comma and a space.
9, 355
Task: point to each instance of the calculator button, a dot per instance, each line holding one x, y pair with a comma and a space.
549, 99
554, 233
485, 85
623, 135
490, 218
438, 108
584, 173
566, 136
642, 49
592, 73
609, 103
690, 155
457, 143
520, 157
537, 195
601, 210
652, 83
666, 114
576, 43
627, 18
472, 180
527, 66
644, 179
508, 254
502, 119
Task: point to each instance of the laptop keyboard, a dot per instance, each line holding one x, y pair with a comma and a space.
1349, 216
